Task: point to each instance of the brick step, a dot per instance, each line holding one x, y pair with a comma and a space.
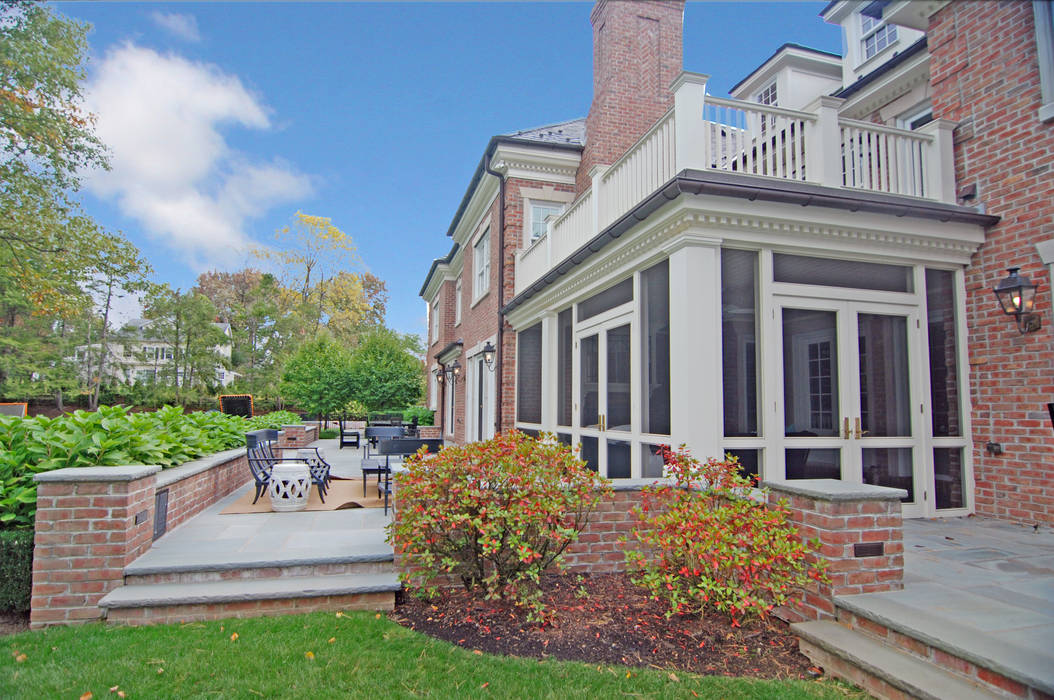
879, 668
1001, 665
379, 563
173, 602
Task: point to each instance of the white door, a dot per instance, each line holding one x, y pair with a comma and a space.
604, 421
851, 395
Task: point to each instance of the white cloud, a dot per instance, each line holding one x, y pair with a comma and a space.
183, 26
172, 169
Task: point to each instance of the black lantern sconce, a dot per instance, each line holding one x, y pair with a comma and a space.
439, 373
488, 355
1017, 297
453, 371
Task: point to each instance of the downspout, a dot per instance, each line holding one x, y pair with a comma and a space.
498, 362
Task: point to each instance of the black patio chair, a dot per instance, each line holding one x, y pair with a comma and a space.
401, 447
348, 437
382, 432
260, 446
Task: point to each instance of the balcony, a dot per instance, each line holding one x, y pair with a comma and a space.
757, 141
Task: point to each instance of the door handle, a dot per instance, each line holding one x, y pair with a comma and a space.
845, 428
859, 433
603, 421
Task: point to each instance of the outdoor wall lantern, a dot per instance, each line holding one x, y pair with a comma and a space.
1017, 297
439, 372
454, 371
488, 355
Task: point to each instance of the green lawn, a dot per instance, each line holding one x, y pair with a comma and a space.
326, 655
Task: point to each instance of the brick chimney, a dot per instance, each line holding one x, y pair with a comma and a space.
637, 54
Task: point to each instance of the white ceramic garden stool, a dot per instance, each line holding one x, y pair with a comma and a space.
289, 487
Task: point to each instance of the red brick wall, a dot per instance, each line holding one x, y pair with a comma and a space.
985, 76
85, 535
637, 54
190, 496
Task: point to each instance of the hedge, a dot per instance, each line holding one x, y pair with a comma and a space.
16, 569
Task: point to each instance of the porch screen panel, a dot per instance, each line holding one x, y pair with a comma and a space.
563, 367
529, 375
739, 342
655, 349
851, 274
606, 300
944, 355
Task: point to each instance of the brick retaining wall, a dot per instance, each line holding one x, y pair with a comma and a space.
91, 522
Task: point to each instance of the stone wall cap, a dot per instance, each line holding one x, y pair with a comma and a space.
835, 490
128, 472
188, 469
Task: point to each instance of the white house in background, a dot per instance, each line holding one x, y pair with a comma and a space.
135, 356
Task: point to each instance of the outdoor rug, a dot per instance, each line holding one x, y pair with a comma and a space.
342, 494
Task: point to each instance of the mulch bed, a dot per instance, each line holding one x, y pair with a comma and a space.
13, 622
604, 618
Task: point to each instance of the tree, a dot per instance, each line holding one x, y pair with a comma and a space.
384, 372
318, 377
46, 142
116, 271
186, 323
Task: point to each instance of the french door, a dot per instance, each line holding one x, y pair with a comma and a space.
851, 394
604, 420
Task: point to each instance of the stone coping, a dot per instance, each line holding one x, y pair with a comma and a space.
305, 426
167, 477
128, 472
835, 490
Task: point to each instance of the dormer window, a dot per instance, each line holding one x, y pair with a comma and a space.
876, 35
768, 95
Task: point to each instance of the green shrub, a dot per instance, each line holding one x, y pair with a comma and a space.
16, 569
328, 434
110, 436
494, 514
425, 416
274, 420
706, 545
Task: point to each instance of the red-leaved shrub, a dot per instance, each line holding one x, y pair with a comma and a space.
705, 544
494, 514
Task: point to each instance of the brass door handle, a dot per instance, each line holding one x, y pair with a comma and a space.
603, 420
845, 428
859, 433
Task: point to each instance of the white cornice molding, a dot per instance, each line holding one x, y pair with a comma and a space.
546, 164
696, 221
443, 273
478, 207
896, 83
913, 14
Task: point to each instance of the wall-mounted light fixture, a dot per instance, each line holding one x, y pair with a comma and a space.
453, 371
488, 355
1017, 297
439, 373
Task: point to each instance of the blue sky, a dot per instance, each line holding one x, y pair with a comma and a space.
224, 119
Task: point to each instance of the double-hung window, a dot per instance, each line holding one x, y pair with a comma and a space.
457, 301
481, 265
435, 320
876, 35
540, 211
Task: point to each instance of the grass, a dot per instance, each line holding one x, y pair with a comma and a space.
325, 655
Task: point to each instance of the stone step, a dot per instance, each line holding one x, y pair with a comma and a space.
879, 668
173, 602
161, 572
1000, 664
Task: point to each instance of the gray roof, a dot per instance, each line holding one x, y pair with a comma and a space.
573, 131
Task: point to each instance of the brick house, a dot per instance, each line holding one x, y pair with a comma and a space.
801, 275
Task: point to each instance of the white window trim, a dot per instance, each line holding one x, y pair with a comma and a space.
434, 310
880, 25
1044, 20
775, 92
457, 301
904, 120
528, 234
481, 288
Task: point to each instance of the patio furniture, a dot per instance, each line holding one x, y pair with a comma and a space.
383, 432
289, 486
400, 447
348, 437
260, 452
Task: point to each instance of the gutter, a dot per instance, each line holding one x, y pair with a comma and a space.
723, 184
500, 349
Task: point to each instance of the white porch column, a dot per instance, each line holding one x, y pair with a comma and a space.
550, 350
691, 133
940, 160
823, 142
695, 344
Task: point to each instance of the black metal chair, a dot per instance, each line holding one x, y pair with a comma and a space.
260, 448
401, 447
348, 437
382, 432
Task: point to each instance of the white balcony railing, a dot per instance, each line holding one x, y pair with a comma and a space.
715, 134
